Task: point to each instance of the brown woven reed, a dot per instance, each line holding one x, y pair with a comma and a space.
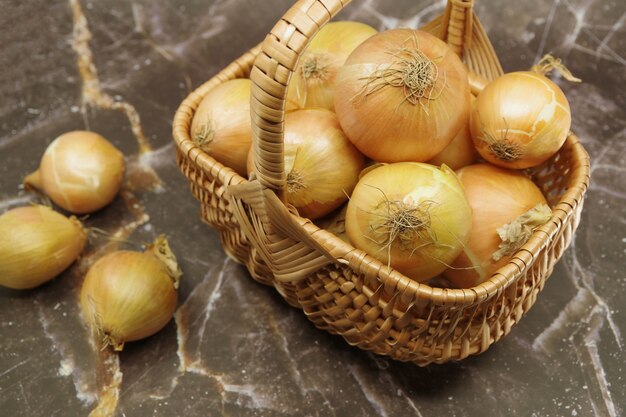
341, 289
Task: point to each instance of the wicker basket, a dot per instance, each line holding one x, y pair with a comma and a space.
341, 289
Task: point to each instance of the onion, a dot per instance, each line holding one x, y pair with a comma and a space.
80, 171
36, 245
130, 295
506, 207
221, 125
520, 120
412, 216
460, 152
313, 82
321, 165
402, 95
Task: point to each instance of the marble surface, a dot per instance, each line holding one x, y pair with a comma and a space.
235, 348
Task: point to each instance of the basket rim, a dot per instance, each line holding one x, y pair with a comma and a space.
520, 262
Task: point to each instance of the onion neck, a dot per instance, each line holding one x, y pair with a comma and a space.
161, 250
33, 181
515, 234
549, 63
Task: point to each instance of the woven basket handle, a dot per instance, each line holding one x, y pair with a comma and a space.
278, 58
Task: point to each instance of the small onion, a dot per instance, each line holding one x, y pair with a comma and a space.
413, 216
520, 120
80, 171
402, 95
36, 245
221, 125
460, 152
313, 82
321, 165
507, 206
130, 295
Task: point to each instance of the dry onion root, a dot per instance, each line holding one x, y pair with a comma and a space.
36, 245
80, 171
130, 295
221, 125
507, 206
412, 216
402, 95
313, 82
522, 118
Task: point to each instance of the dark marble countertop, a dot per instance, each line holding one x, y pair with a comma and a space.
121, 68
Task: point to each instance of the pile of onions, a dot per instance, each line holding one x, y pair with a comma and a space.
221, 125
36, 245
520, 120
413, 216
130, 295
321, 165
402, 95
313, 82
507, 206
80, 171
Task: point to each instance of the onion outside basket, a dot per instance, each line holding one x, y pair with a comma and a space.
342, 289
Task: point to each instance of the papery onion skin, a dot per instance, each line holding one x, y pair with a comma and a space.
460, 152
128, 296
36, 245
313, 82
221, 125
497, 197
520, 120
80, 171
321, 165
400, 123
437, 200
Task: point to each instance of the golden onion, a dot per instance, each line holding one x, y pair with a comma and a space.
506, 207
313, 81
402, 95
412, 216
80, 171
36, 245
321, 165
221, 125
520, 120
129, 295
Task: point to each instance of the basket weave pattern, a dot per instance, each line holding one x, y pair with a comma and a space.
342, 289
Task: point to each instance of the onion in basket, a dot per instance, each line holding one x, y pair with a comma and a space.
402, 95
460, 152
522, 118
507, 206
313, 82
80, 171
412, 216
321, 165
221, 125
